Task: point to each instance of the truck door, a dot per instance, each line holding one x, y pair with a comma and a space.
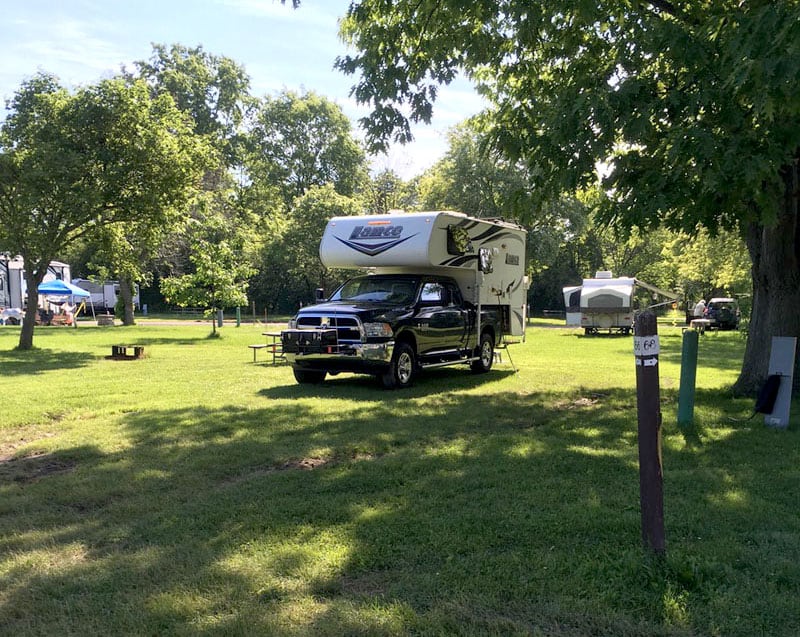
442, 319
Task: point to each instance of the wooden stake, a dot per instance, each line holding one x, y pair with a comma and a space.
648, 400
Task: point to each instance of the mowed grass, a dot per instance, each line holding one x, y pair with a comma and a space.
193, 492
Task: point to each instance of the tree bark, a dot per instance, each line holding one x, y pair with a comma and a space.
32, 279
126, 287
775, 254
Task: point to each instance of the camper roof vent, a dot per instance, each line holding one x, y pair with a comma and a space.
603, 274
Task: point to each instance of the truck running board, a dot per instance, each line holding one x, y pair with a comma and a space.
459, 361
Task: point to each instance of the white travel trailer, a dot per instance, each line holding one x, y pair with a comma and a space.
442, 289
606, 302
104, 294
14, 289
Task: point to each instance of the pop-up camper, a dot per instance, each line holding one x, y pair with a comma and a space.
442, 289
606, 302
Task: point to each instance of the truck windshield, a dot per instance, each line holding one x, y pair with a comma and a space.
382, 289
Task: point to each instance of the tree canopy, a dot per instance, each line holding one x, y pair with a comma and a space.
693, 109
212, 90
221, 266
71, 163
300, 141
693, 106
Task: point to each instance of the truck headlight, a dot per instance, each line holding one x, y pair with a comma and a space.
378, 330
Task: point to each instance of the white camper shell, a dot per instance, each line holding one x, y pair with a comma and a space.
441, 242
606, 302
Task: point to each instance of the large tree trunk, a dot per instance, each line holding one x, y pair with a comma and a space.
32, 280
126, 287
775, 253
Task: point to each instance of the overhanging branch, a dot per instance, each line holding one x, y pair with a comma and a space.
665, 6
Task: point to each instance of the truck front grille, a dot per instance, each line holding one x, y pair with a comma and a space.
348, 328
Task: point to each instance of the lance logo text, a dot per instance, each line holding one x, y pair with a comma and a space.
372, 240
376, 232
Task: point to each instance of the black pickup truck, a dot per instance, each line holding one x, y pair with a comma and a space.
391, 326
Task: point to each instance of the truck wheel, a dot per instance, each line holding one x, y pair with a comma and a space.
308, 376
485, 354
401, 368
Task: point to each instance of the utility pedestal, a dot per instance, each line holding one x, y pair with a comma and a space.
781, 363
688, 379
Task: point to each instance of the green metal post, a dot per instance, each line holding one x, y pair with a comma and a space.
688, 378
238, 317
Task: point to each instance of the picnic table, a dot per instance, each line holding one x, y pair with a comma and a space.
273, 346
700, 324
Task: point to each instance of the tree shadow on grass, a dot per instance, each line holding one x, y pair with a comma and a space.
33, 466
719, 352
38, 361
492, 514
431, 382
165, 340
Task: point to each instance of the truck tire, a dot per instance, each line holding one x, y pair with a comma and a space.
485, 355
308, 376
402, 368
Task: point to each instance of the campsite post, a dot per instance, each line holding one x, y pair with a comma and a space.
651, 489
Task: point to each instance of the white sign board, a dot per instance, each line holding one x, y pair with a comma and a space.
646, 345
781, 362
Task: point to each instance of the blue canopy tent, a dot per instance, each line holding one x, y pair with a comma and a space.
61, 288
58, 287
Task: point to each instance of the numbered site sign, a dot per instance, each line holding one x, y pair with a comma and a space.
646, 349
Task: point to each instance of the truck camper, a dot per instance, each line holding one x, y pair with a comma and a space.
606, 302
440, 288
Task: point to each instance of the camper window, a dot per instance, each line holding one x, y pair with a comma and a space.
574, 301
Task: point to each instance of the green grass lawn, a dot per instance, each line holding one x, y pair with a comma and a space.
194, 492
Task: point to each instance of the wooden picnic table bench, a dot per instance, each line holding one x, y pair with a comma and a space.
701, 325
274, 347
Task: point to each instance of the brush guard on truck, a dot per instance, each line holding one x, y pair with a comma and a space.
316, 341
322, 348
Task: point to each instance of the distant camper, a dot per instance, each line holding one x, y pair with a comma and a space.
606, 302
104, 294
14, 289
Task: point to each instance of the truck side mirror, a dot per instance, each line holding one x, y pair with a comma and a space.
319, 295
